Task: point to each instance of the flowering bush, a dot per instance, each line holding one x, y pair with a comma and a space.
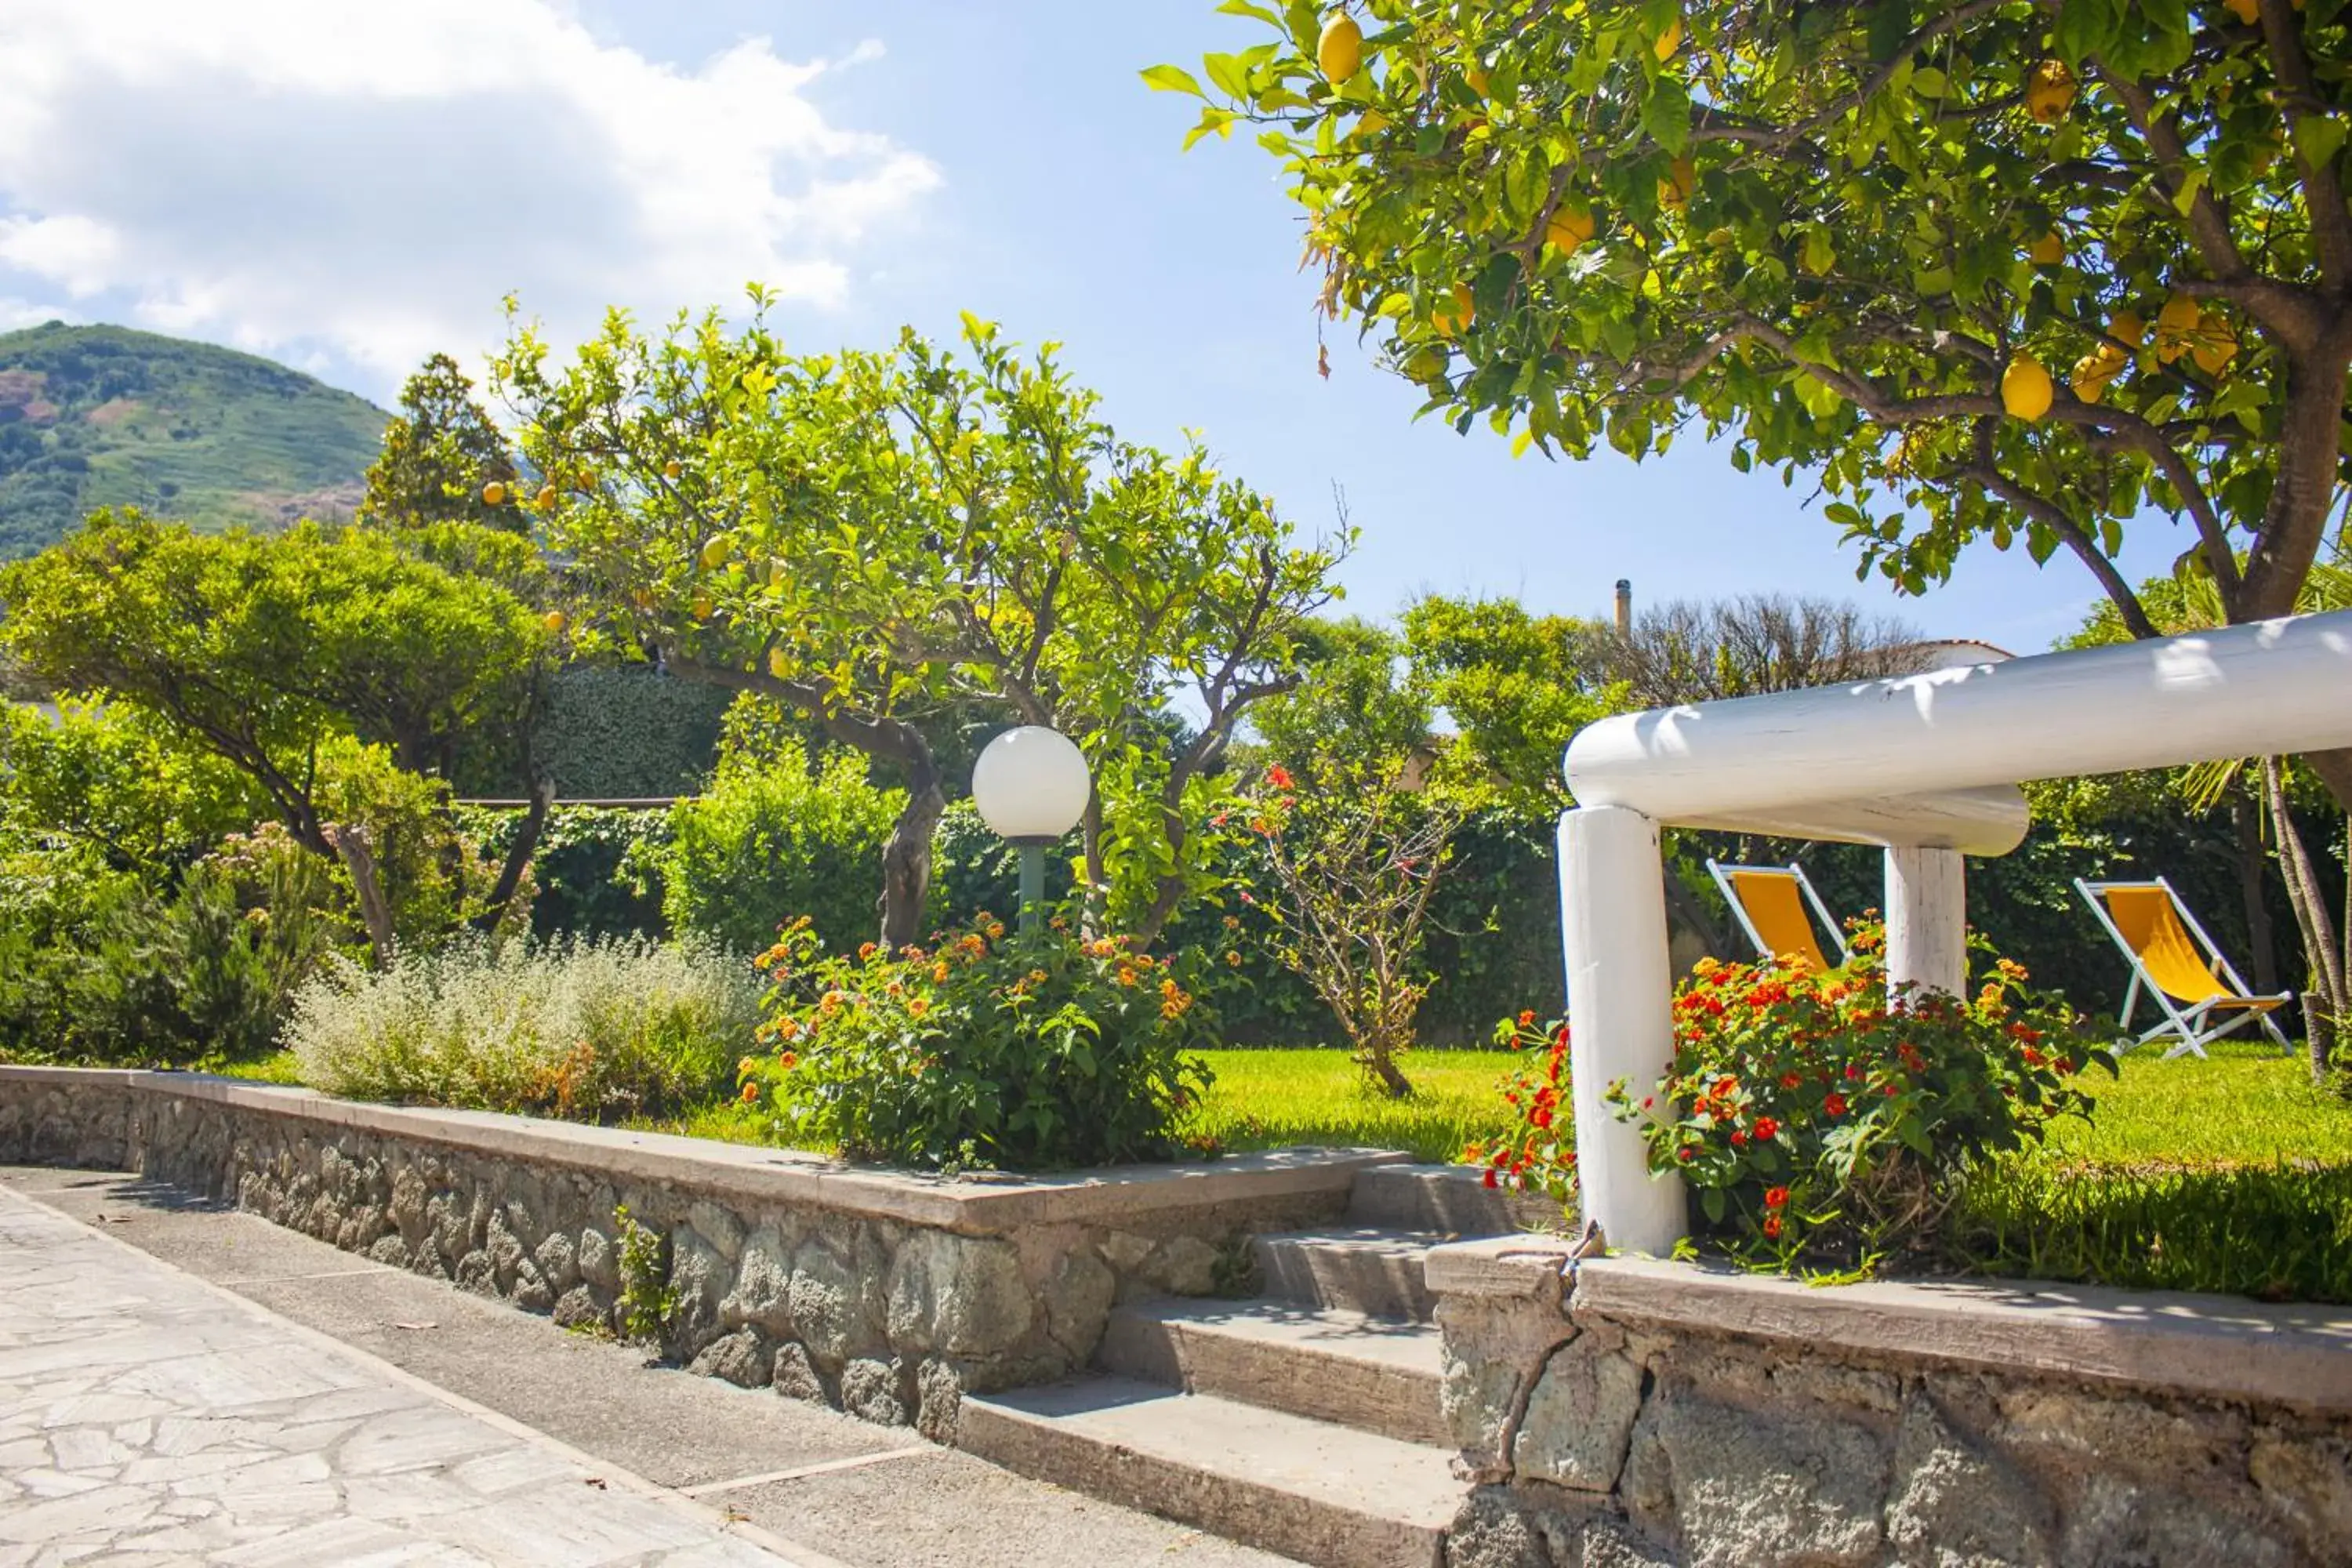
1540, 1153
1020, 1052
1813, 1116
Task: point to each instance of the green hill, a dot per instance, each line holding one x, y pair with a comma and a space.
93, 417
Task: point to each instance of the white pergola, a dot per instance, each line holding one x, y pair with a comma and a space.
1926, 766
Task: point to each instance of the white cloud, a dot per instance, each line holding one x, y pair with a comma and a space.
360, 181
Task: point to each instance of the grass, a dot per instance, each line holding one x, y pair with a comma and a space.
2231, 1174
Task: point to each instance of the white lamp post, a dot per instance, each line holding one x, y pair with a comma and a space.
1031, 786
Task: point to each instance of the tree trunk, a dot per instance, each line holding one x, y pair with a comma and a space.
2312, 916
2244, 818
518, 861
351, 844
906, 858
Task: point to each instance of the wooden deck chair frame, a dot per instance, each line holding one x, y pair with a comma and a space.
1723, 875
2192, 1023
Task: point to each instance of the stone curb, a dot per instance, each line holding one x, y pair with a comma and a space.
2219, 1347
983, 1207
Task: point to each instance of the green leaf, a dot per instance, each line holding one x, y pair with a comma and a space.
1890, 24
1244, 8
2318, 138
1229, 74
1172, 79
1667, 113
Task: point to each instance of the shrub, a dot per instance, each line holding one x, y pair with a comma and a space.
1023, 1053
778, 836
97, 966
583, 1029
1538, 1153
1814, 1119
596, 870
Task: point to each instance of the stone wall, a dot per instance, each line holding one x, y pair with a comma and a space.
1620, 1411
883, 1294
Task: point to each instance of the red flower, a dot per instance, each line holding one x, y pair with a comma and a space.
1280, 777
1776, 1197
1853, 1072
1887, 1090
1686, 1153
1738, 1139
1527, 1018
1834, 1105
1493, 1180
1772, 1226
1766, 1129
1791, 1081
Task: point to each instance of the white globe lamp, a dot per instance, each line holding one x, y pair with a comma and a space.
1031, 785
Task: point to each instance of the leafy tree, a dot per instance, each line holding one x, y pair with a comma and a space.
872, 539
2031, 273
263, 651
444, 460
1516, 687
1690, 652
1356, 697
119, 782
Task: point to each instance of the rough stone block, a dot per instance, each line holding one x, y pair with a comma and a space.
1580, 1418
870, 1390
838, 1311
1077, 1295
763, 1284
1746, 1487
744, 1358
1953, 1502
793, 1376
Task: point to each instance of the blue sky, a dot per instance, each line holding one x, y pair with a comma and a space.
347, 186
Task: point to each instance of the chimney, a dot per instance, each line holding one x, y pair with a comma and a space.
1624, 607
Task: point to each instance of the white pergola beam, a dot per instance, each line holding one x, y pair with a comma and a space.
2273, 687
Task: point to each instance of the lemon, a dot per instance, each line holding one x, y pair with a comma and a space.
778, 665
2025, 389
1476, 75
2250, 12
1570, 226
546, 497
702, 606
1371, 124
1340, 50
673, 470
1668, 41
2091, 373
715, 552
2047, 251
1682, 178
494, 494
2049, 92
2216, 344
1451, 323
2174, 324
553, 621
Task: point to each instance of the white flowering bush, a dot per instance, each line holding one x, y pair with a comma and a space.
584, 1029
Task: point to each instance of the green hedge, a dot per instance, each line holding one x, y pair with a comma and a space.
622, 732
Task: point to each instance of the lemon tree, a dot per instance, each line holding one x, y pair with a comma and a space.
876, 539
2036, 273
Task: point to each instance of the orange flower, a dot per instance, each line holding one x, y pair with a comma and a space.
751, 1092
1280, 777
917, 1007
1527, 1018
788, 1061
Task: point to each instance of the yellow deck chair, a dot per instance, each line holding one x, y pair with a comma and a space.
1770, 903
2177, 964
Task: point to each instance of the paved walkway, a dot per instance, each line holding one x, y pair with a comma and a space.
185, 1384
146, 1416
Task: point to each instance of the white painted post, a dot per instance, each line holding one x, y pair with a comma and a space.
1926, 919
1612, 913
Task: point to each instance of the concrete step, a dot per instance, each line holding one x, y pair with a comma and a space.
1453, 1200
1361, 1268
1326, 1495
1377, 1374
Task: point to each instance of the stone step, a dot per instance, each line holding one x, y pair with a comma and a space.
1324, 1494
1378, 1374
1452, 1200
1362, 1269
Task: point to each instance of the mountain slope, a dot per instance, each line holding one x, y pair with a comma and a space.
93, 417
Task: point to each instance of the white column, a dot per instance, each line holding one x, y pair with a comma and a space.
1926, 919
1613, 911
